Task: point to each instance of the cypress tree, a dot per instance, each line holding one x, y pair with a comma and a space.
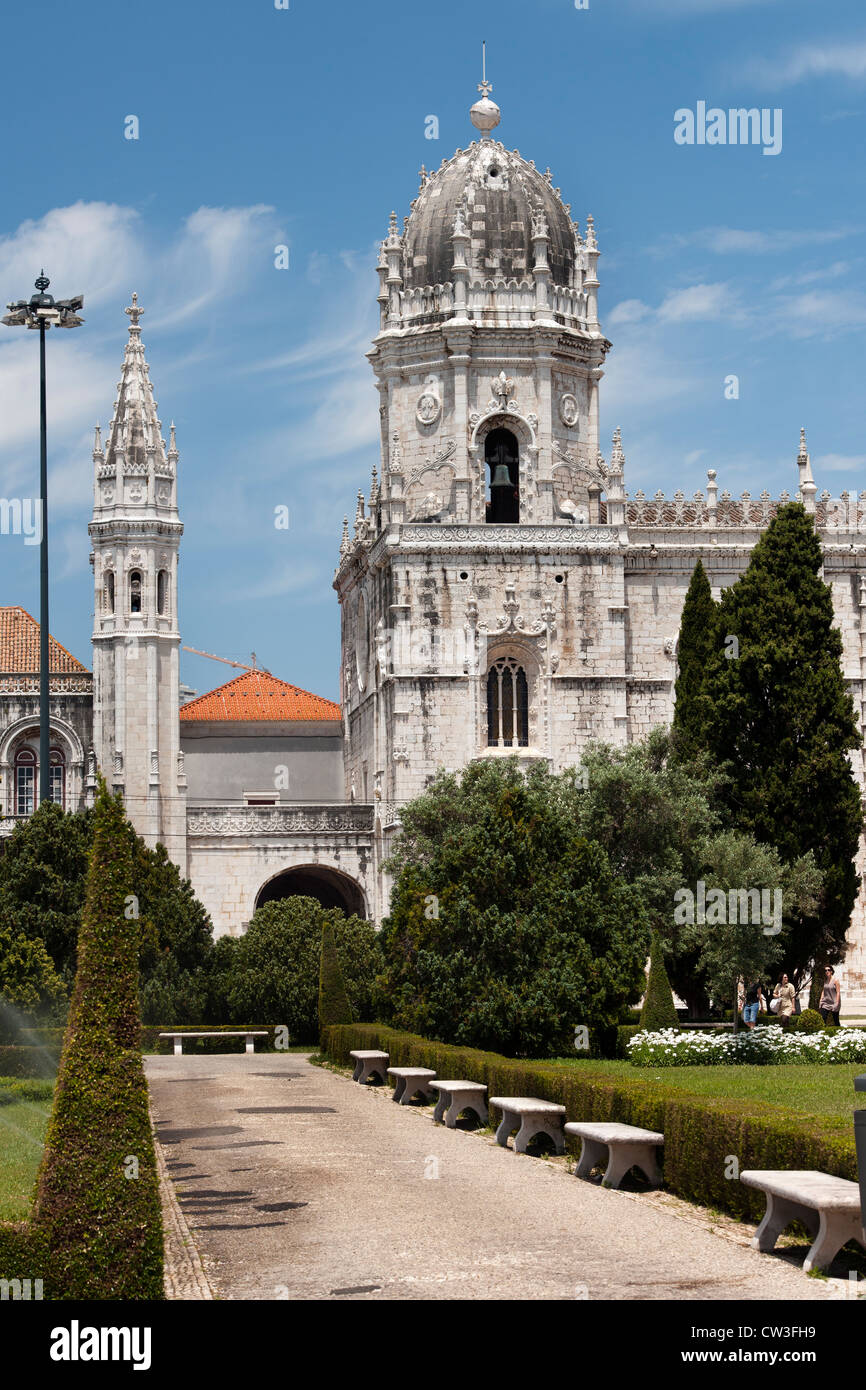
693, 652
778, 714
97, 1202
334, 1006
659, 1010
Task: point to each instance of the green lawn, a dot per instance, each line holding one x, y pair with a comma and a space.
23, 1121
809, 1090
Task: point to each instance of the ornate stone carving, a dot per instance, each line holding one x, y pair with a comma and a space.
279, 820
568, 413
429, 406
494, 538
440, 456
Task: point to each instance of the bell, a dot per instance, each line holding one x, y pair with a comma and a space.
501, 476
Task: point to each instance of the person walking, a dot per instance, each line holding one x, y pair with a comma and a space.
831, 997
754, 1002
786, 995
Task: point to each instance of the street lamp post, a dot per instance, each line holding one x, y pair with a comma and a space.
860, 1143
40, 312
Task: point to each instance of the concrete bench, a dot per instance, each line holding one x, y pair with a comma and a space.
828, 1207
624, 1146
369, 1064
529, 1116
411, 1081
455, 1096
250, 1043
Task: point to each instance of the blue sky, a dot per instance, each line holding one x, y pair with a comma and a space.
306, 127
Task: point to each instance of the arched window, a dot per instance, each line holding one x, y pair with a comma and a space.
25, 782
162, 593
57, 777
502, 460
135, 591
507, 705
109, 591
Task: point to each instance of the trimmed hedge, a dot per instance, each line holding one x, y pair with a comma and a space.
29, 1061
97, 1204
701, 1132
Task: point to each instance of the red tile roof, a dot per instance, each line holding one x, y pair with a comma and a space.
257, 695
19, 646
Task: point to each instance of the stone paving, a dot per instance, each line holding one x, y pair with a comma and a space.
293, 1182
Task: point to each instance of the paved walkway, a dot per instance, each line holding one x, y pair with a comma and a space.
296, 1183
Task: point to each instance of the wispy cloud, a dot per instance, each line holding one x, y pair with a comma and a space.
817, 59
840, 463
735, 241
696, 302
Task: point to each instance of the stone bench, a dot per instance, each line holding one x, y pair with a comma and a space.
455, 1096
529, 1116
369, 1064
411, 1081
250, 1045
624, 1146
828, 1207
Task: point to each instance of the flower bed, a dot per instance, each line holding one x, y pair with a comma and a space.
770, 1046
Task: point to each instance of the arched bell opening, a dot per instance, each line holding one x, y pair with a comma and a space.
502, 460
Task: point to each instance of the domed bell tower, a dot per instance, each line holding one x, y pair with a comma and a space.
479, 580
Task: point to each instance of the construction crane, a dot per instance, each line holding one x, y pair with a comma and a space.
255, 666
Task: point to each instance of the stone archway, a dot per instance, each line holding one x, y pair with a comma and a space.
328, 886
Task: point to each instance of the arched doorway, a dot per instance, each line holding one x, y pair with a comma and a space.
328, 886
503, 477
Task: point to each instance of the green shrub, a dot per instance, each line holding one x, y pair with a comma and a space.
624, 1034
659, 1010
100, 1220
809, 1021
334, 1006
507, 929
272, 970
700, 1132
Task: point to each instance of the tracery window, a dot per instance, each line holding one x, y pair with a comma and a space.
25, 782
507, 704
57, 777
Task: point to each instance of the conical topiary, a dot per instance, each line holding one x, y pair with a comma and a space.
97, 1203
334, 1006
659, 1010
697, 631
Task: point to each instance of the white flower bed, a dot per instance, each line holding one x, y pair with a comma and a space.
769, 1044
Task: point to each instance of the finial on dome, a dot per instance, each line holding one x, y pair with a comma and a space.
135, 314
485, 114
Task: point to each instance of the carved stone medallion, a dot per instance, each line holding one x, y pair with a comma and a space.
428, 408
568, 412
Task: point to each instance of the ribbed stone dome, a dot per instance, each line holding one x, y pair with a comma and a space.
498, 192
